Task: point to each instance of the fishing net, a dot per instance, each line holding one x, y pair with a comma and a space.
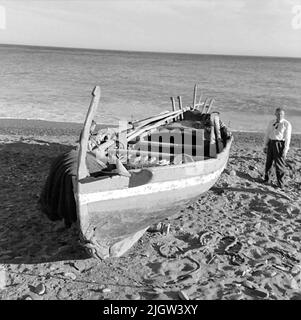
57, 197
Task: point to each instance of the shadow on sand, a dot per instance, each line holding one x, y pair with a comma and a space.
246, 158
246, 176
220, 190
26, 234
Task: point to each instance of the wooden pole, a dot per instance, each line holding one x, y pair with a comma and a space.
194, 96
217, 128
173, 104
180, 106
180, 103
204, 106
210, 106
200, 99
212, 147
82, 170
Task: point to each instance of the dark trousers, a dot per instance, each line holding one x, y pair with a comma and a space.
275, 154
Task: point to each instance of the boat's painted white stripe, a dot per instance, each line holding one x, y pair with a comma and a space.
148, 188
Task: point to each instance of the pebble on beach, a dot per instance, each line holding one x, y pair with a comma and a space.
40, 289
70, 275
233, 173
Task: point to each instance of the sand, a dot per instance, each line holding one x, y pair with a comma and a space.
240, 240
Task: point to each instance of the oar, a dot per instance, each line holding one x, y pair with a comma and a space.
134, 134
153, 128
169, 116
149, 118
157, 116
144, 122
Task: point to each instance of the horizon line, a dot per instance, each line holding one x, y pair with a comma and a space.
146, 51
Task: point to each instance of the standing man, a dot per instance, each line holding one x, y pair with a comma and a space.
276, 145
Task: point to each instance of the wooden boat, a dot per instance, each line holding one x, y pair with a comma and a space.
114, 211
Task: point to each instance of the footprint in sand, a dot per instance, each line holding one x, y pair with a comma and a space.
277, 216
283, 207
259, 205
170, 270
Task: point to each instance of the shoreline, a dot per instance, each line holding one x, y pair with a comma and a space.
75, 127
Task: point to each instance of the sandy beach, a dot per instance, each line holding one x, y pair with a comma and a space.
240, 240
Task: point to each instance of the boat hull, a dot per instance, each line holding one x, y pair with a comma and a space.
113, 214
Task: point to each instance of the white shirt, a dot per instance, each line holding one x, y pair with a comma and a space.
279, 131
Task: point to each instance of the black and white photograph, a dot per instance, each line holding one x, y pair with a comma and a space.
150, 150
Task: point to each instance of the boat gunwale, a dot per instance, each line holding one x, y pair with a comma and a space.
158, 168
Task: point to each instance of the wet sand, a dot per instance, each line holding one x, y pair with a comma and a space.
240, 240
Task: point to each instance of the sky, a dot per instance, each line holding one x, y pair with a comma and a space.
239, 27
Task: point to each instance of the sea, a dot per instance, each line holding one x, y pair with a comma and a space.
55, 84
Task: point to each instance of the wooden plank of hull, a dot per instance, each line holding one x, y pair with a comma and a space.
166, 147
149, 189
115, 222
145, 203
118, 218
163, 155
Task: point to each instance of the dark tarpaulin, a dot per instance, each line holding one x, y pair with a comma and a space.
57, 198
